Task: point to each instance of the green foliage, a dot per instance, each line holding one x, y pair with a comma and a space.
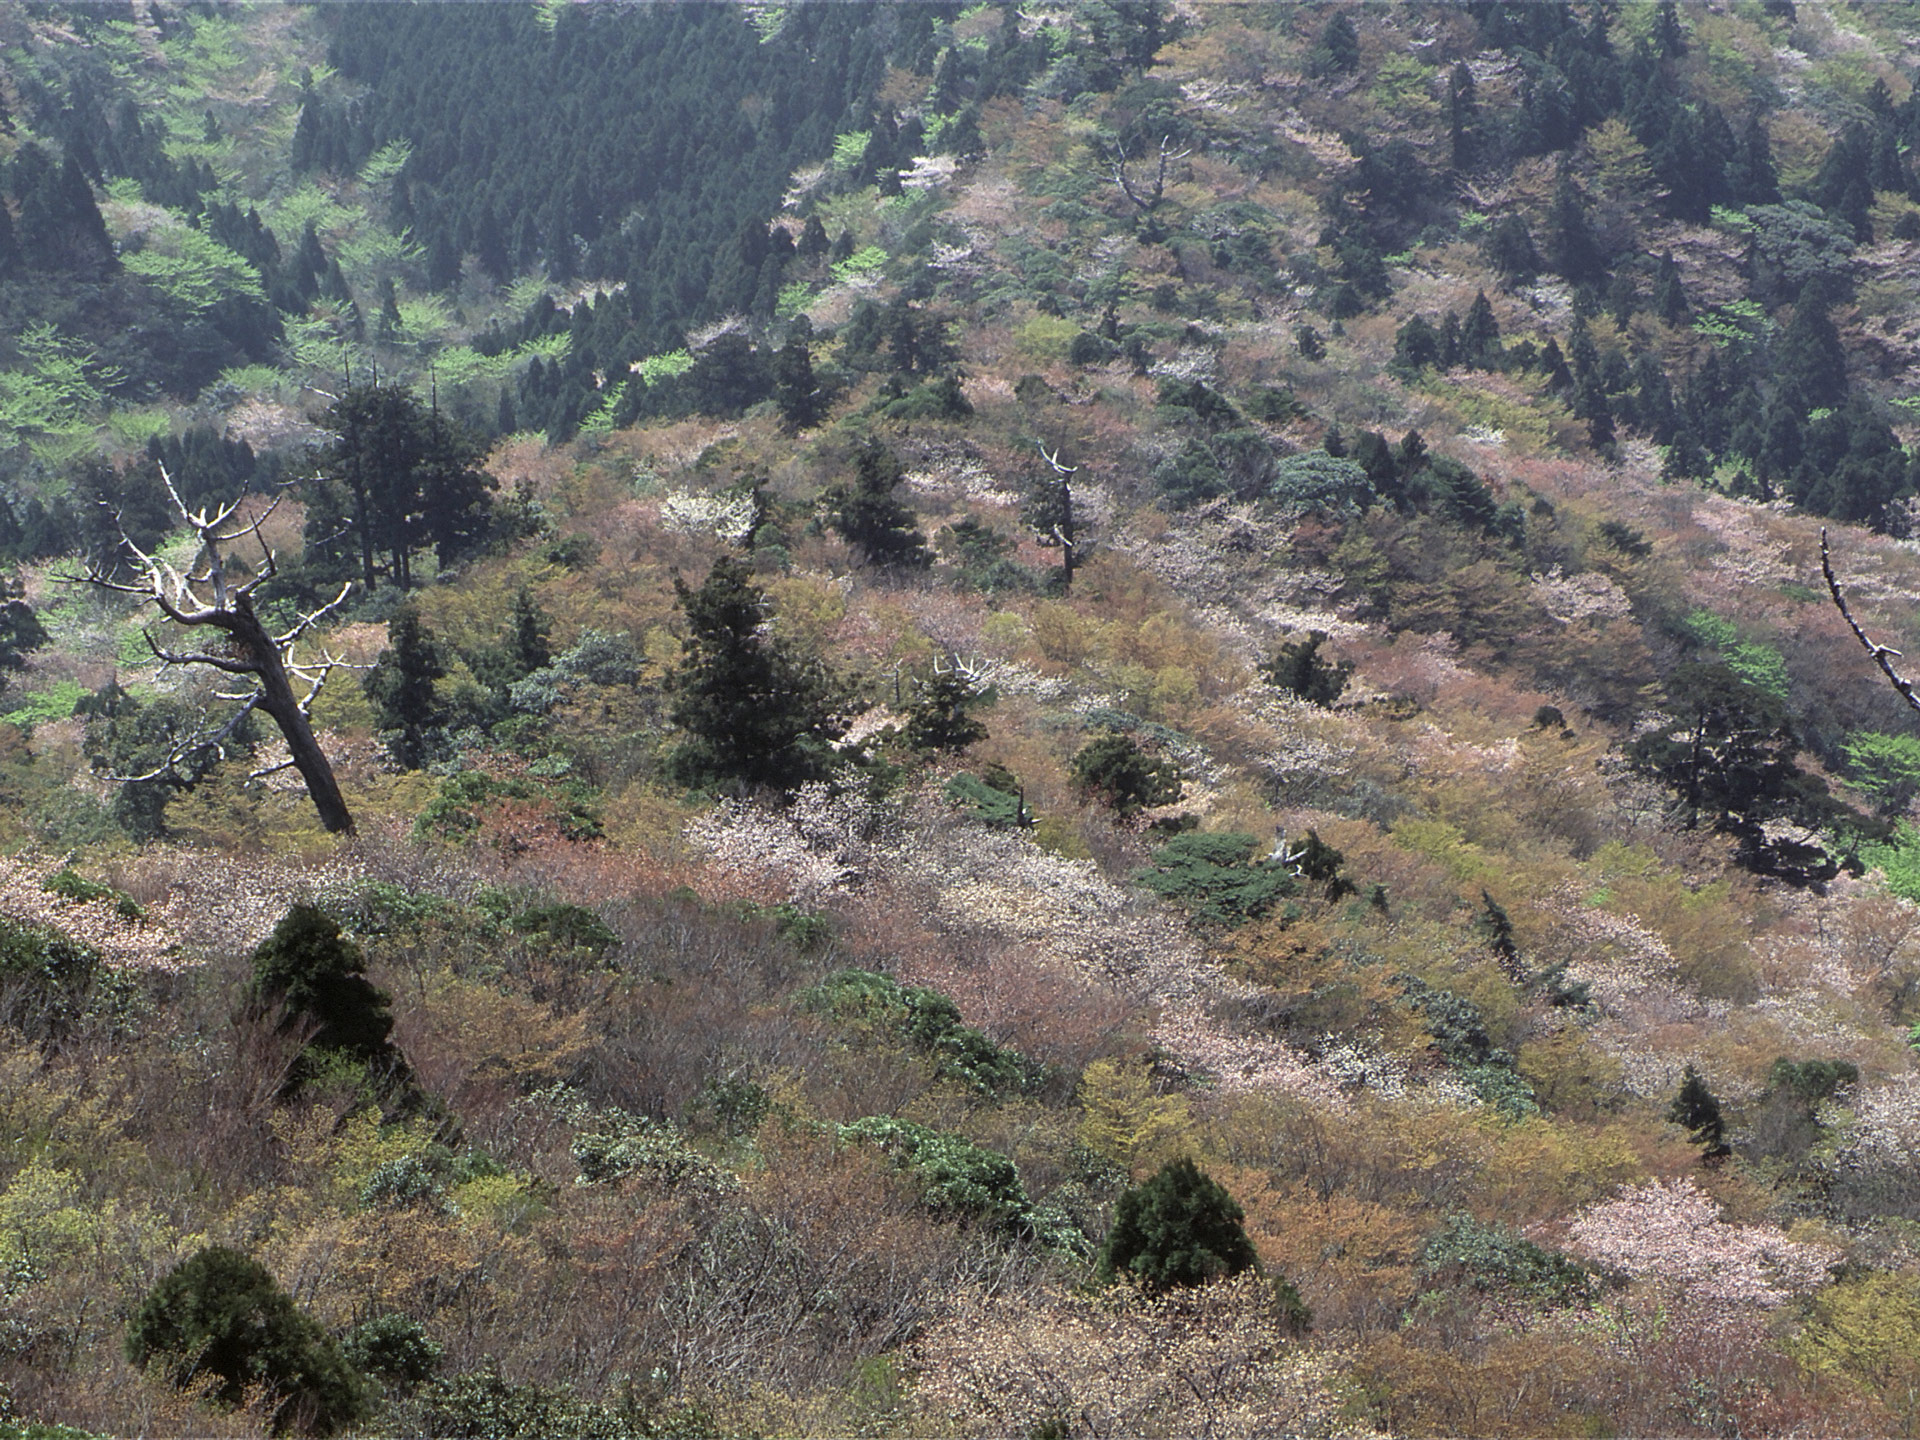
988, 801
70, 884
1697, 1111
48, 400
756, 711
1216, 877
1177, 1229
1316, 482
868, 260
312, 974
941, 717
1486, 1255
1114, 770
193, 270
611, 1145
220, 1316
958, 1179
484, 1405
45, 978
670, 366
1299, 669
1898, 858
43, 707
393, 1349
1812, 1081
870, 1004
1762, 667
455, 811
1886, 767
1460, 1038
566, 926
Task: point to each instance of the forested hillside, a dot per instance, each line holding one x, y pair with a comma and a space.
1010, 719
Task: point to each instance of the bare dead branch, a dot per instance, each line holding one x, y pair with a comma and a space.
286, 639
1882, 655
180, 751
230, 664
265, 659
1117, 172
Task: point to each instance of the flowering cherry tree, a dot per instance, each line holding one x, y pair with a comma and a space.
1670, 1232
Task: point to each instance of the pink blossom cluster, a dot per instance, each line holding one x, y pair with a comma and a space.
1670, 1233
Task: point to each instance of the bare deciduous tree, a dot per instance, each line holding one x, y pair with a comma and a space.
208, 598
1882, 655
1058, 515
1117, 172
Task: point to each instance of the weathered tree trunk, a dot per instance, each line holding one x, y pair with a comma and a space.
277, 699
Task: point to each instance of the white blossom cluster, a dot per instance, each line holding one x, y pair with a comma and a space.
1191, 362
688, 512
825, 842
1670, 1233
1212, 1361
1618, 957
1587, 596
1238, 1062
122, 940
929, 172
1882, 1130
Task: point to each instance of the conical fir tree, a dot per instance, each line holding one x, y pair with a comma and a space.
1179, 1228
755, 711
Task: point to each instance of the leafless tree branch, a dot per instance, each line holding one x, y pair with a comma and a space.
1882, 655
1117, 172
267, 660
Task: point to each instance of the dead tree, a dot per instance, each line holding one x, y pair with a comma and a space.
207, 598
1061, 531
1882, 655
1117, 172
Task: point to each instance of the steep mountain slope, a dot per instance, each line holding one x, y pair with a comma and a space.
1137, 583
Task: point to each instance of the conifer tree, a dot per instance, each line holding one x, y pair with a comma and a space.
311, 974
1300, 670
1811, 363
942, 718
866, 514
755, 711
1463, 116
1697, 1110
400, 685
219, 1316
1510, 250
528, 629
1180, 1228
1480, 335
1573, 244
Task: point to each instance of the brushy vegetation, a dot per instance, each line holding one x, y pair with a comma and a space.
1182, 646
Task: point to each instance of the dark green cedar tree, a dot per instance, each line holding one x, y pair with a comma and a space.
1180, 1228
312, 974
1114, 770
219, 1316
756, 712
